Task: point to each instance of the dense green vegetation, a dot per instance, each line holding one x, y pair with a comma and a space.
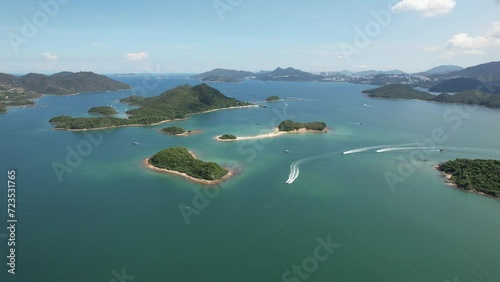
172, 104
173, 130
398, 91
289, 125
273, 98
104, 110
479, 175
471, 97
179, 159
228, 137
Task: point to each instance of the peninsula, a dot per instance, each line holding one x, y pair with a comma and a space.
180, 161
174, 104
471, 97
479, 176
285, 127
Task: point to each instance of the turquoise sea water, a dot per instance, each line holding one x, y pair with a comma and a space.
111, 215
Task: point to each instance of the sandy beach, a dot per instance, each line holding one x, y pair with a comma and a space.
450, 183
185, 176
273, 134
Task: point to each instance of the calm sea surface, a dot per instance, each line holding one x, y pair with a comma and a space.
389, 215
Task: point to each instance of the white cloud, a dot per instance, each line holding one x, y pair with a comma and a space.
49, 56
428, 8
465, 44
141, 56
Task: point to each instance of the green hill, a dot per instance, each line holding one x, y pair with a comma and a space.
69, 83
459, 84
398, 91
224, 73
172, 104
471, 97
288, 74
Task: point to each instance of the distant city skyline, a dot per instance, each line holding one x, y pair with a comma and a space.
191, 36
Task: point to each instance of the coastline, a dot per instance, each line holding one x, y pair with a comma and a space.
124, 125
447, 177
157, 123
273, 134
229, 174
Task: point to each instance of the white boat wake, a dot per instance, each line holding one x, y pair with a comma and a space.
379, 147
434, 149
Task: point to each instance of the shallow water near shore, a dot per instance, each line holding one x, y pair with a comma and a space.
110, 213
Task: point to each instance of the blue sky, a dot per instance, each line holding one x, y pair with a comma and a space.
191, 36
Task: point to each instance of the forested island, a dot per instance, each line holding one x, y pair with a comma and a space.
289, 125
104, 110
481, 176
228, 137
471, 97
178, 131
16, 98
273, 98
173, 104
182, 162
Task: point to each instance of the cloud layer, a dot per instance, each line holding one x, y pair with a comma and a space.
141, 56
428, 8
465, 44
49, 56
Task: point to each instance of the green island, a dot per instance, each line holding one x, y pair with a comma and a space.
104, 110
182, 162
228, 137
173, 104
273, 98
173, 130
289, 125
481, 176
470, 97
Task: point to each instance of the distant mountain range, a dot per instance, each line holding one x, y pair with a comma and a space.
444, 69
60, 83
224, 74
21, 90
445, 78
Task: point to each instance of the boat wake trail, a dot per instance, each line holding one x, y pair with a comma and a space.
433, 149
364, 149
